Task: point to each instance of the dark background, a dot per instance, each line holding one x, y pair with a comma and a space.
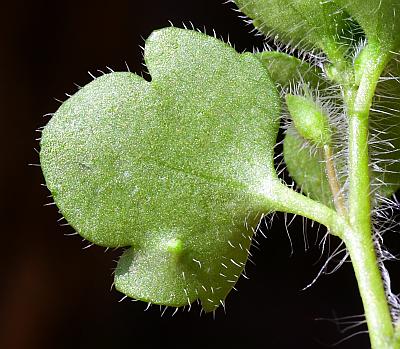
54, 293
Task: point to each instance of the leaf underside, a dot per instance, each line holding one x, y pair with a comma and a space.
170, 168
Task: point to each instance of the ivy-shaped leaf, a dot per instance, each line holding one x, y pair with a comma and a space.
305, 24
171, 168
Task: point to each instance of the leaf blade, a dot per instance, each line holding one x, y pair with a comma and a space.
303, 24
141, 164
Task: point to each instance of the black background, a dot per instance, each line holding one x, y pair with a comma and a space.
54, 293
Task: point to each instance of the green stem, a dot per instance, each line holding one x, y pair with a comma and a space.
361, 249
359, 240
359, 178
356, 230
377, 313
287, 200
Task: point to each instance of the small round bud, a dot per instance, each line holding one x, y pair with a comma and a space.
309, 119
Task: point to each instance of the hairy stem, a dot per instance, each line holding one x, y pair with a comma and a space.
362, 252
359, 188
359, 240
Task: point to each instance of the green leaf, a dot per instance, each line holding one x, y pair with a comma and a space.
171, 168
378, 18
287, 70
306, 166
305, 24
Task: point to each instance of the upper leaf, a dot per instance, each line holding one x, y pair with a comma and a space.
172, 167
379, 19
305, 24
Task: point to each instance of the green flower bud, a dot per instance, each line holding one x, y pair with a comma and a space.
310, 120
